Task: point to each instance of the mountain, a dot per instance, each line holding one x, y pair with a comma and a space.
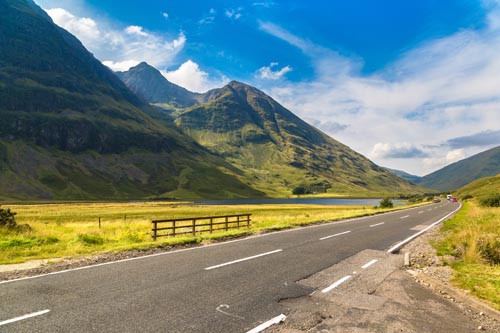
409, 177
480, 188
70, 128
460, 173
276, 149
148, 83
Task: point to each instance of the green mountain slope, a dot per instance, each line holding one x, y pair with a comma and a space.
277, 150
480, 188
70, 129
460, 173
405, 175
148, 83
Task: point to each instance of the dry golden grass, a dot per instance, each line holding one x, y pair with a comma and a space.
70, 230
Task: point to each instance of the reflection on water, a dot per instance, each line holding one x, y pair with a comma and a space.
300, 201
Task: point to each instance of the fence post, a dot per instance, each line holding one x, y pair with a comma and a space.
211, 224
154, 230
194, 227
227, 226
173, 228
248, 221
99, 222
238, 222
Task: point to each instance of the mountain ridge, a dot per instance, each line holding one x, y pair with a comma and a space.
458, 174
71, 129
276, 149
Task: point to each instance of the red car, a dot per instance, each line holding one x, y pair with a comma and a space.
453, 199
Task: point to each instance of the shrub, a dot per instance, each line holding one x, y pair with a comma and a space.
7, 219
386, 203
491, 201
299, 190
91, 239
466, 197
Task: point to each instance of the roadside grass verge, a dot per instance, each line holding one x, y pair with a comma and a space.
473, 238
72, 229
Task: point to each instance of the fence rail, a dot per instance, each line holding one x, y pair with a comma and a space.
194, 225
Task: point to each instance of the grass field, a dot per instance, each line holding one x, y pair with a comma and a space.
473, 238
72, 230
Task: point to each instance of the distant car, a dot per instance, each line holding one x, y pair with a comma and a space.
448, 197
454, 199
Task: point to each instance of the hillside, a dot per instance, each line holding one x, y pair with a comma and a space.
480, 188
148, 83
409, 177
277, 150
460, 173
70, 129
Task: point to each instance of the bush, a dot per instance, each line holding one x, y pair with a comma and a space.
491, 201
386, 203
466, 197
7, 219
299, 190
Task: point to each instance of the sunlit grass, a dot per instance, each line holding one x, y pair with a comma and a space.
473, 237
71, 230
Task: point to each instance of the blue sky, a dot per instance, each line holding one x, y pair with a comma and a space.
410, 84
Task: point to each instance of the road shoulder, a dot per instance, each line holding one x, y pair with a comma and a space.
387, 297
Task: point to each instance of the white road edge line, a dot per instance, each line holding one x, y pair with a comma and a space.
341, 233
374, 225
400, 244
405, 217
368, 264
267, 324
243, 259
13, 320
336, 284
205, 246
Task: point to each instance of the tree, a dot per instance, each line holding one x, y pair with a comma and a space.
7, 219
299, 190
386, 203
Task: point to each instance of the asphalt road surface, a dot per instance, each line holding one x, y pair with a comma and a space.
228, 287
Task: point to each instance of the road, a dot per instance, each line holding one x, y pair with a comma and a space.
228, 287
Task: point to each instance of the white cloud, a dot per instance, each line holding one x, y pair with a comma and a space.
165, 15
233, 14
268, 73
190, 76
396, 150
136, 30
444, 89
118, 49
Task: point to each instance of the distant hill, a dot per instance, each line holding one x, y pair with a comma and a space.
276, 150
70, 128
460, 173
480, 188
409, 177
148, 83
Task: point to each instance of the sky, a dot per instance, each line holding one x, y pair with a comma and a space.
412, 85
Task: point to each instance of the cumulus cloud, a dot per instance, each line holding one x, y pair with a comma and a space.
397, 150
190, 76
444, 87
268, 73
120, 48
450, 157
165, 15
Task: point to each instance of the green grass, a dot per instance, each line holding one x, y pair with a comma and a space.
72, 229
473, 238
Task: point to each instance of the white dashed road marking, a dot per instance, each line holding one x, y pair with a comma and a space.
31, 315
243, 259
341, 233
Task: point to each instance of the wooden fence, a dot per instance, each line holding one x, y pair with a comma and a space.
196, 225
